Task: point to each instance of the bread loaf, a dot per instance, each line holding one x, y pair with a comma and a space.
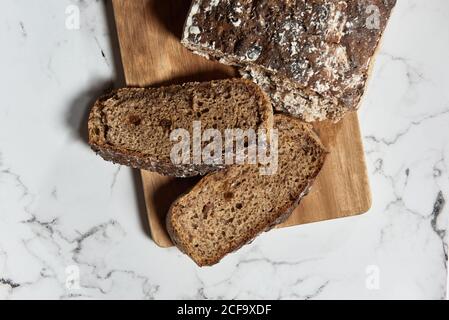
312, 56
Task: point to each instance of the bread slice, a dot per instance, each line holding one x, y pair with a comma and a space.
311, 56
227, 209
132, 126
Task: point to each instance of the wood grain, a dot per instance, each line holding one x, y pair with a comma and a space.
149, 33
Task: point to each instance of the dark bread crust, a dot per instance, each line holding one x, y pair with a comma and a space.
175, 229
312, 56
98, 131
139, 161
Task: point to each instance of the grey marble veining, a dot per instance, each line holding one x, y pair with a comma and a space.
70, 225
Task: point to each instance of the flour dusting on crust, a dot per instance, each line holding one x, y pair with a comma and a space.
312, 56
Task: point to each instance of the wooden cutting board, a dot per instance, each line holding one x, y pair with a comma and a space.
149, 33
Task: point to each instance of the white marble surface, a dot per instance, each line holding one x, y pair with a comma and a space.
63, 209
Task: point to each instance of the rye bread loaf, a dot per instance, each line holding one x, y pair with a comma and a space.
132, 126
312, 56
227, 209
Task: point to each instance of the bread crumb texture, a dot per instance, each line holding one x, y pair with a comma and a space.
227, 209
132, 126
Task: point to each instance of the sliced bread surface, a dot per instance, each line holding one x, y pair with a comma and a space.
132, 126
227, 209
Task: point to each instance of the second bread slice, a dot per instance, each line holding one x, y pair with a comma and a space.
132, 126
227, 209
